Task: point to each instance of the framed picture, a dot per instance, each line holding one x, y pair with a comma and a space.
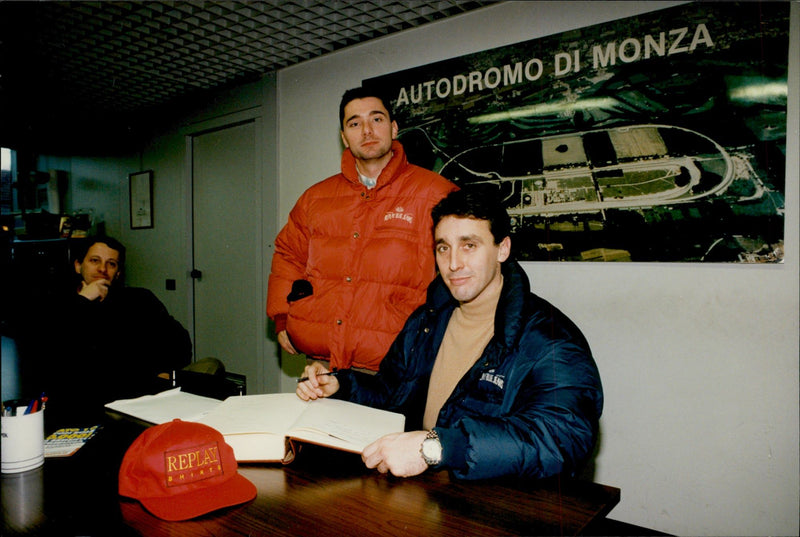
141, 197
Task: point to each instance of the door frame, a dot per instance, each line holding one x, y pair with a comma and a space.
254, 115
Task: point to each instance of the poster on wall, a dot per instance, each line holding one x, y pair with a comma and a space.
656, 138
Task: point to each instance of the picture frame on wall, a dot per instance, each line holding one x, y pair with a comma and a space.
141, 199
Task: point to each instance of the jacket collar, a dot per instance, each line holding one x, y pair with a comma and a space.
508, 318
397, 163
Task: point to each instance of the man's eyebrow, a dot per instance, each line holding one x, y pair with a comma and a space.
472, 237
462, 238
369, 114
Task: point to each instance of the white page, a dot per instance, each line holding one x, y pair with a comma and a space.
354, 424
166, 406
266, 413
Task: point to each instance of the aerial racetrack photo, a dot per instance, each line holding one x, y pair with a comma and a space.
658, 138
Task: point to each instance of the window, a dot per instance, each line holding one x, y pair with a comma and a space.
8, 170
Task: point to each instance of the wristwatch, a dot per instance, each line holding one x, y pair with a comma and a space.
431, 449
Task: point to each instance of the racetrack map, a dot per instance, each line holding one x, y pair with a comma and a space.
656, 138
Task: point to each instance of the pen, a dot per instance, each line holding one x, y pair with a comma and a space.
328, 374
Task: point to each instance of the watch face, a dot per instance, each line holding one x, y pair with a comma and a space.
432, 450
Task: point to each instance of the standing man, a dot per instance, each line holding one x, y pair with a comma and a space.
354, 259
495, 380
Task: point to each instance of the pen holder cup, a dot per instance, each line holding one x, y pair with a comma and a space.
22, 442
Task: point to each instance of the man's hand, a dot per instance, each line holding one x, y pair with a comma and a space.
397, 453
96, 289
285, 342
318, 385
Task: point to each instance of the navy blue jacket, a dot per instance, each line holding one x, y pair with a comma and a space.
530, 405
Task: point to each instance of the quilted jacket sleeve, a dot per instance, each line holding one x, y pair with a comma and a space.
288, 263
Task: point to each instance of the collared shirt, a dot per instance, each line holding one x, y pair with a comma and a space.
368, 182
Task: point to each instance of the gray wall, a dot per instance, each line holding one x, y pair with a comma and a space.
699, 363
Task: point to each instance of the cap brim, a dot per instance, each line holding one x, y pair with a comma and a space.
199, 502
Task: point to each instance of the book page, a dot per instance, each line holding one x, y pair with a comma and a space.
345, 425
165, 406
267, 413
255, 425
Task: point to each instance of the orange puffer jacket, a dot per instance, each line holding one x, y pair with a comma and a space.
368, 255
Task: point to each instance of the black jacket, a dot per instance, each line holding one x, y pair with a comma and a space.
96, 352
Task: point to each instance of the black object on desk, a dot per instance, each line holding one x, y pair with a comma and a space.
216, 386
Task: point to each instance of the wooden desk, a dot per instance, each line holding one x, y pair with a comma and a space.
323, 492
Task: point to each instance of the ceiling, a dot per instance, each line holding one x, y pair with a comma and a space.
91, 64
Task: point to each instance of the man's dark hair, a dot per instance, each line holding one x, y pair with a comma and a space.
362, 93
111, 242
477, 203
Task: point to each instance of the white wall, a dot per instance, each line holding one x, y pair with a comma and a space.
699, 362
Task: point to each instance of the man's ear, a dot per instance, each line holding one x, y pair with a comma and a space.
344, 140
395, 130
504, 249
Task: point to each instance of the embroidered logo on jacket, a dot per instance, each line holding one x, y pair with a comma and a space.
497, 380
399, 214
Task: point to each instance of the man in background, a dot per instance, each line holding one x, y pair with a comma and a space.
101, 341
493, 380
355, 257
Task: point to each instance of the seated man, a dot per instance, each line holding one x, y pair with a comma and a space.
492, 379
102, 341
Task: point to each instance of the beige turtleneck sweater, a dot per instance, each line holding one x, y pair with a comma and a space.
470, 328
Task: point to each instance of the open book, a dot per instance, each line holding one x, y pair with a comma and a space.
261, 428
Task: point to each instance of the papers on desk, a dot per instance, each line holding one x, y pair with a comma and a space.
166, 406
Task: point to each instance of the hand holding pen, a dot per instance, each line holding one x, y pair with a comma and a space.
317, 382
303, 379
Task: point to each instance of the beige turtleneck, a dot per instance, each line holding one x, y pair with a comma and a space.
470, 328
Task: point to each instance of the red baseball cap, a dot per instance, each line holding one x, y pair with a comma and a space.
180, 470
